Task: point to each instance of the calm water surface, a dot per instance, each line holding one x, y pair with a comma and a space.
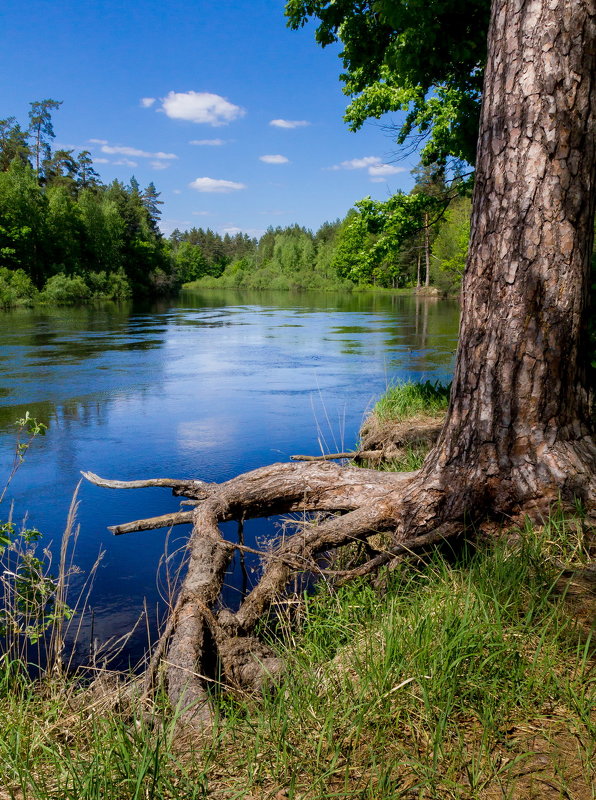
206, 386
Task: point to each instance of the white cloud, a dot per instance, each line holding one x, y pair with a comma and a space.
289, 123
123, 151
125, 162
380, 170
358, 163
98, 141
134, 152
215, 185
176, 191
101, 160
201, 107
200, 213
160, 164
274, 159
208, 142
375, 167
147, 102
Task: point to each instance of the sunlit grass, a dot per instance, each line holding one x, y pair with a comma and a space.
407, 399
439, 684
432, 686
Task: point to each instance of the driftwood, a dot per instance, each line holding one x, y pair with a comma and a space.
360, 455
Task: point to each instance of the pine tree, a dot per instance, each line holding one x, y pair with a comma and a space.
87, 177
151, 203
41, 130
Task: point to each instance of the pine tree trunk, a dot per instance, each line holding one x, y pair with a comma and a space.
427, 250
418, 272
519, 423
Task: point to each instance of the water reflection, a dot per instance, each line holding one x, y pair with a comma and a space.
209, 386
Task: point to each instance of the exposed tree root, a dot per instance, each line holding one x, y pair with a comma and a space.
203, 644
391, 554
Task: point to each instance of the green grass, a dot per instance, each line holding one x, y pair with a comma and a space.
407, 399
431, 686
439, 685
58, 744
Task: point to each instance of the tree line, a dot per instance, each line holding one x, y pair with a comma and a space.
412, 240
64, 235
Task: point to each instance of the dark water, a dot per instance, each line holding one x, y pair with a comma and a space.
206, 386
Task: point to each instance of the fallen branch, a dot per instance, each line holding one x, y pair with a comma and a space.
152, 523
171, 483
361, 454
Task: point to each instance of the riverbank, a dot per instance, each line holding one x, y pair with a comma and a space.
468, 673
287, 284
18, 291
264, 279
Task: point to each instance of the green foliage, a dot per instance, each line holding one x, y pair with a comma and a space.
425, 57
29, 427
13, 143
16, 288
23, 211
450, 247
284, 258
29, 604
378, 243
109, 285
406, 399
394, 221
63, 290
350, 258
190, 261
58, 219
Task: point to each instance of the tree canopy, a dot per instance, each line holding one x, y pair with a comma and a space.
426, 58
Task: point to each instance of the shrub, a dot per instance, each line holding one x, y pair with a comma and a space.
64, 290
16, 288
109, 286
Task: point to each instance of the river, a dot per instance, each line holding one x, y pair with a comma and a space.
205, 386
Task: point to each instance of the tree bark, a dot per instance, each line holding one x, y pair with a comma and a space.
426, 250
519, 421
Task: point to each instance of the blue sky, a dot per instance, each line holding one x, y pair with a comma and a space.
141, 81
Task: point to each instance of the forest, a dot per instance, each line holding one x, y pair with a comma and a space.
67, 238
424, 245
